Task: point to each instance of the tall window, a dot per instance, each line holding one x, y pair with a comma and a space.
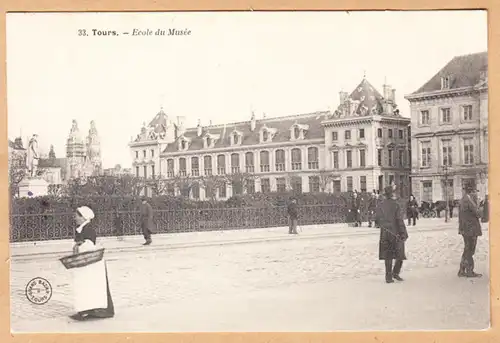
335, 136
427, 191
249, 162
401, 134
447, 153
348, 158
195, 189
144, 153
468, 151
380, 133
445, 115
170, 167
362, 158
445, 82
425, 117
425, 156
265, 135
250, 186
312, 158
265, 185
137, 154
195, 166
389, 133
152, 153
296, 184
296, 132
264, 161
280, 184
280, 160
336, 160
347, 134
314, 184
379, 157
235, 163
153, 171
207, 164
401, 158
221, 165
296, 159
337, 187
467, 112
137, 171
182, 166
145, 171
236, 138
362, 183
349, 184
361, 133
222, 190
391, 157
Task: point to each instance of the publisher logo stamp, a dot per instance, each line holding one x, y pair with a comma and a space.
38, 291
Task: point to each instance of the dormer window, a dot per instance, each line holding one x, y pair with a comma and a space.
297, 131
209, 140
267, 134
183, 143
236, 137
445, 82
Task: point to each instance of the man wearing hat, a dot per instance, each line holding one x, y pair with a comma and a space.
470, 229
293, 215
147, 223
393, 235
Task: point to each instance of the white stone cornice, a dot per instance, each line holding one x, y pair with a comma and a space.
440, 93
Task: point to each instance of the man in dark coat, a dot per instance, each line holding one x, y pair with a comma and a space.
355, 209
372, 207
393, 235
486, 210
293, 215
470, 229
147, 223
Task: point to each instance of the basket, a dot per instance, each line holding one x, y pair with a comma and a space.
82, 259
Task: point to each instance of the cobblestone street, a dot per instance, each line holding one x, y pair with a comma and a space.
332, 283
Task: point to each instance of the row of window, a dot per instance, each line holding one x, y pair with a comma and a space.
390, 162
445, 116
265, 164
361, 134
145, 153
449, 192
447, 153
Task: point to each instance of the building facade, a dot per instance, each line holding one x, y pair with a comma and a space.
449, 125
363, 145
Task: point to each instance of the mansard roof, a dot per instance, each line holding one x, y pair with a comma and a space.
464, 71
249, 137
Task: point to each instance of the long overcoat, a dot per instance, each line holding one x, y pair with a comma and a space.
147, 217
393, 232
468, 218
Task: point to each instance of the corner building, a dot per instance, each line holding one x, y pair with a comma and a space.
363, 145
449, 125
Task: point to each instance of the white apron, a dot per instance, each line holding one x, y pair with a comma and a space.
89, 283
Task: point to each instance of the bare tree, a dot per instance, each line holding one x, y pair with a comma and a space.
240, 181
211, 183
325, 177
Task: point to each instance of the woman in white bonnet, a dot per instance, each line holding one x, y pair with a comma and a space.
92, 298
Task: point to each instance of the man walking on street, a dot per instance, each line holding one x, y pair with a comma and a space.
293, 215
146, 212
355, 209
372, 207
470, 229
393, 235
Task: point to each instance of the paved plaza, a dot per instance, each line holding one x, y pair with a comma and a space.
316, 281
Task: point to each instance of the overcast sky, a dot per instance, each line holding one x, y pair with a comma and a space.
278, 63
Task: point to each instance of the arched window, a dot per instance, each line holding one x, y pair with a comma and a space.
207, 165
170, 167
264, 161
221, 164
312, 158
235, 163
296, 131
235, 138
195, 166
249, 162
182, 166
280, 160
296, 159
265, 135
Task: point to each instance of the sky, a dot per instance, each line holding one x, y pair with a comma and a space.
277, 63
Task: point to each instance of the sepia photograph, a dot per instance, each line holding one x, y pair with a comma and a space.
292, 171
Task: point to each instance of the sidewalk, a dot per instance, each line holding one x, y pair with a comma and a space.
62, 248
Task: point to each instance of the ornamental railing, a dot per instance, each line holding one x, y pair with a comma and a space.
53, 226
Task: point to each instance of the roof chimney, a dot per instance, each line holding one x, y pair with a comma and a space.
199, 128
252, 122
393, 95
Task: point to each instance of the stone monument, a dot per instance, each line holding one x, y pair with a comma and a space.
33, 184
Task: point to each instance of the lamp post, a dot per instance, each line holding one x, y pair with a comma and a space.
445, 172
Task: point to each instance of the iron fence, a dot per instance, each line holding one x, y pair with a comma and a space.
52, 226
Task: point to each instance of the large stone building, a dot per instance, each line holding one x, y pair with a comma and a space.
83, 157
449, 121
362, 146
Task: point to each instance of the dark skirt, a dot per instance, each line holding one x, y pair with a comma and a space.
391, 247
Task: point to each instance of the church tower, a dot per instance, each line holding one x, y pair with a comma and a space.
94, 162
75, 152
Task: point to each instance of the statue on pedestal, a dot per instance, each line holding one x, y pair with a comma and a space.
32, 156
